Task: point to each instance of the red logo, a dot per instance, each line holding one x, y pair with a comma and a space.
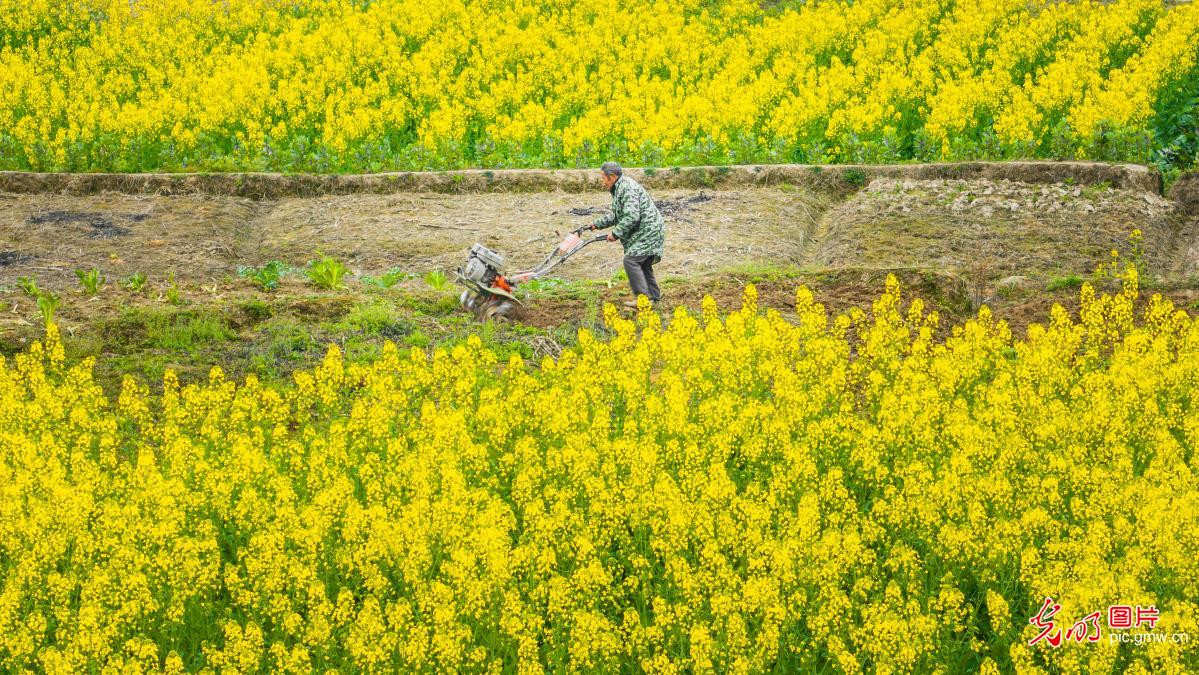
1119, 617
1082, 628
1044, 621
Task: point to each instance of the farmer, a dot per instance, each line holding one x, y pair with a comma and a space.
638, 226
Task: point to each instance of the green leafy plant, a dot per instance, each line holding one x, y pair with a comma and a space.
29, 285
552, 287
388, 279
184, 329
326, 272
418, 338
1058, 283
591, 310
855, 177
136, 282
47, 304
91, 280
173, 295
540, 286
266, 277
1094, 191
437, 280
1175, 128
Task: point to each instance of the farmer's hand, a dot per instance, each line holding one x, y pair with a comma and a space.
611, 237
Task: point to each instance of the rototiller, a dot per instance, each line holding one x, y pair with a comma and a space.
489, 292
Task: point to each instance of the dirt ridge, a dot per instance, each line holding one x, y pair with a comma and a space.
1185, 193
839, 179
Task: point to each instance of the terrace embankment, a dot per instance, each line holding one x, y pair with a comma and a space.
1016, 236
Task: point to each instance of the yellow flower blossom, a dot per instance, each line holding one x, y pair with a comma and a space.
362, 86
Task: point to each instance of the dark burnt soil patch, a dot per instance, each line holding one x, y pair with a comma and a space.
13, 258
669, 208
196, 239
674, 207
98, 225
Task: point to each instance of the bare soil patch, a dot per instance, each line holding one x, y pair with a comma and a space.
994, 228
422, 231
49, 236
203, 238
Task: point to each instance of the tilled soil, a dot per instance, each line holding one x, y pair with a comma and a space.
987, 229
997, 228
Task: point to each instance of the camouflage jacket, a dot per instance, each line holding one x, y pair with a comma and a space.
635, 220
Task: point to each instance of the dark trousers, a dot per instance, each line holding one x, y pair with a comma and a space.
640, 269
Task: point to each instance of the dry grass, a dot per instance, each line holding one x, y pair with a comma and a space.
49, 236
202, 238
422, 231
993, 228
837, 179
